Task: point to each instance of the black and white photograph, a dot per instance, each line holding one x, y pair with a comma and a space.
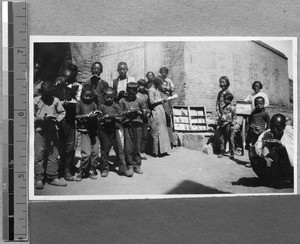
161, 117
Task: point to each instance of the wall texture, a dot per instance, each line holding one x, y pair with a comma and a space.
243, 62
195, 67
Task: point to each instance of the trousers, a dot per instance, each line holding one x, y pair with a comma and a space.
89, 150
144, 137
227, 135
111, 137
132, 143
46, 154
67, 143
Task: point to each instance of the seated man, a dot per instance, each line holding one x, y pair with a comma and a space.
272, 158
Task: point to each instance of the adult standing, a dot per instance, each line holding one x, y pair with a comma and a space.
257, 86
159, 132
167, 82
165, 93
150, 77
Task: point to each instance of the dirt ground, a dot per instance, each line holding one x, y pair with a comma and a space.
184, 171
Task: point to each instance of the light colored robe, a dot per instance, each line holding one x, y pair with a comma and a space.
158, 124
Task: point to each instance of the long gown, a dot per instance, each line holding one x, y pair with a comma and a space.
159, 131
169, 121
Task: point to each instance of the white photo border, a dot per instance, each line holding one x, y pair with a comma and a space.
53, 39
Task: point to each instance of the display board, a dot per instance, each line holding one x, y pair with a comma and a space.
192, 119
243, 108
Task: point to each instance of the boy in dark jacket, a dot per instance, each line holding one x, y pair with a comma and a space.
109, 133
86, 116
133, 109
48, 112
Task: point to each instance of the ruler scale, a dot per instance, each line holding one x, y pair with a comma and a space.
14, 121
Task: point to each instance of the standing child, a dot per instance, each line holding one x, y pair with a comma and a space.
48, 112
109, 133
224, 85
259, 121
120, 84
227, 119
86, 116
97, 82
68, 90
132, 108
143, 96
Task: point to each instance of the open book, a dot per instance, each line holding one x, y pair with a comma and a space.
172, 97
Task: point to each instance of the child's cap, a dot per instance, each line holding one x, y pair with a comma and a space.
278, 119
94, 80
47, 86
132, 86
109, 91
142, 82
87, 87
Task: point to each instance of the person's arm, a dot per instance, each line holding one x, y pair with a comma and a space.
60, 111
78, 93
122, 107
259, 144
37, 89
78, 112
250, 120
248, 98
36, 118
267, 103
153, 100
233, 116
268, 121
217, 105
143, 107
170, 84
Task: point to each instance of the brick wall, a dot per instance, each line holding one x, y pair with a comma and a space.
82, 57
243, 62
195, 67
173, 58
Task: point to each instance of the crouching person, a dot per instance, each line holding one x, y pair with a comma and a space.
48, 112
272, 160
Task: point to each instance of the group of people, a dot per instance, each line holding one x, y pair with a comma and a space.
269, 140
119, 116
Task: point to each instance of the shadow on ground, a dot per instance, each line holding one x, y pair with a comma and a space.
240, 162
256, 182
250, 182
191, 187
